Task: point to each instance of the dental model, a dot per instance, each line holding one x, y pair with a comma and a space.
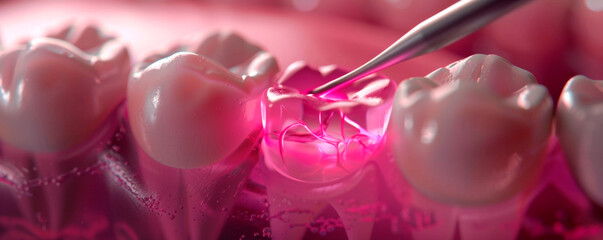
57, 96
196, 118
579, 125
471, 135
41, 110
215, 91
318, 151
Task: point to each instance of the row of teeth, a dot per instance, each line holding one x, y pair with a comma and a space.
472, 134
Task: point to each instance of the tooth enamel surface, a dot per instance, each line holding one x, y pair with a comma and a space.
188, 110
84, 35
579, 125
474, 132
54, 95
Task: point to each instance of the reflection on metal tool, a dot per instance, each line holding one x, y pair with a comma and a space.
447, 26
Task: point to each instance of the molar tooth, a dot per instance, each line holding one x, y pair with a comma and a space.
471, 138
57, 102
580, 131
50, 75
318, 151
184, 90
195, 114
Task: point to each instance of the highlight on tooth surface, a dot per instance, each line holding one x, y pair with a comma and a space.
211, 92
256, 67
195, 113
474, 132
59, 97
110, 188
318, 150
55, 95
579, 126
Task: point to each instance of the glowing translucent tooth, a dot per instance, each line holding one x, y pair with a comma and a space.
471, 136
195, 114
578, 125
318, 150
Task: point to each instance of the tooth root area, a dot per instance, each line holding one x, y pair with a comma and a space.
293, 213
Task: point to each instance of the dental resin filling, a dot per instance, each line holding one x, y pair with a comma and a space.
318, 150
323, 138
106, 135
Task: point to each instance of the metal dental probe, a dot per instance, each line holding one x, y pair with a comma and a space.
447, 26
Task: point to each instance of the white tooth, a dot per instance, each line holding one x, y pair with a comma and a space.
53, 96
212, 89
579, 126
197, 119
186, 111
256, 66
84, 35
310, 164
55, 103
475, 134
220, 46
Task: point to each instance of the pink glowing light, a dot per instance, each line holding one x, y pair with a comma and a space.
327, 136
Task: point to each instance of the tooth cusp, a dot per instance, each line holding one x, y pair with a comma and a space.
193, 109
459, 138
55, 97
86, 36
